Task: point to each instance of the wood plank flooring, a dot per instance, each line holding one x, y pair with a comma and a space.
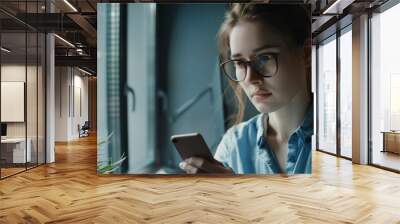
10, 171
70, 191
387, 159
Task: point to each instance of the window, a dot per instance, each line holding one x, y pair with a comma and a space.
385, 88
22, 74
346, 92
327, 95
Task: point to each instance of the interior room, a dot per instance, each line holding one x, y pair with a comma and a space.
64, 135
385, 74
22, 100
334, 56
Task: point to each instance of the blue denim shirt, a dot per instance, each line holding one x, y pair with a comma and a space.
244, 149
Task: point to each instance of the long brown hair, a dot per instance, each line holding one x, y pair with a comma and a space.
294, 20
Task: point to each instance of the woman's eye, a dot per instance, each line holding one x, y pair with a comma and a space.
265, 57
239, 64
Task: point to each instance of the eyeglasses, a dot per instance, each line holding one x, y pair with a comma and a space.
265, 65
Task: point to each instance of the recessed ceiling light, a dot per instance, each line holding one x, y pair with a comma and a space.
64, 40
70, 5
5, 50
84, 71
337, 7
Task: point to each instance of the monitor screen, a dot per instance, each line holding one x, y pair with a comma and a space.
3, 129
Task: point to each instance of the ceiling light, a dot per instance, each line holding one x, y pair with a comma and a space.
79, 51
70, 5
65, 41
337, 7
326, 11
84, 71
5, 50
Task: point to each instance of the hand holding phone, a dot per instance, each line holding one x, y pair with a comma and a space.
196, 155
191, 145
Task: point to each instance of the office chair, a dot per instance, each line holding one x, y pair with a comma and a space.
84, 130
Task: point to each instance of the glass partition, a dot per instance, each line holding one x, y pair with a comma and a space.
41, 107
327, 95
23, 91
385, 89
14, 152
346, 93
31, 99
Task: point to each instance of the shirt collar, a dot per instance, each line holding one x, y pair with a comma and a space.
261, 129
306, 127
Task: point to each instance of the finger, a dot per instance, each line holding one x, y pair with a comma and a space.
188, 167
191, 169
195, 161
182, 165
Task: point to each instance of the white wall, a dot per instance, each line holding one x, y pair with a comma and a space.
12, 100
17, 73
13, 72
67, 115
79, 117
33, 126
62, 81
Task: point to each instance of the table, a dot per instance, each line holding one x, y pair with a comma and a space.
391, 141
13, 150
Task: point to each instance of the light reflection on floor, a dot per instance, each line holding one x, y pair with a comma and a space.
386, 159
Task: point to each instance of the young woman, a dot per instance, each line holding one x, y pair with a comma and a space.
265, 53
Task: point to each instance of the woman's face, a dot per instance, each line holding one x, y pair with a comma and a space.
248, 39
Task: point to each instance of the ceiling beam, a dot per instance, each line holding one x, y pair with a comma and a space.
86, 26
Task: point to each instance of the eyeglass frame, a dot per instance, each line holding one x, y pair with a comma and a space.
250, 62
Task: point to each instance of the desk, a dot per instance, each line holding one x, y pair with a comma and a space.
13, 150
391, 141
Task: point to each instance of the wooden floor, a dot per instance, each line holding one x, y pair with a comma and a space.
387, 159
10, 171
70, 191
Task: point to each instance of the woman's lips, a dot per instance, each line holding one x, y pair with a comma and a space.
260, 95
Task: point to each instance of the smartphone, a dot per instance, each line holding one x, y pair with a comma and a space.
191, 145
